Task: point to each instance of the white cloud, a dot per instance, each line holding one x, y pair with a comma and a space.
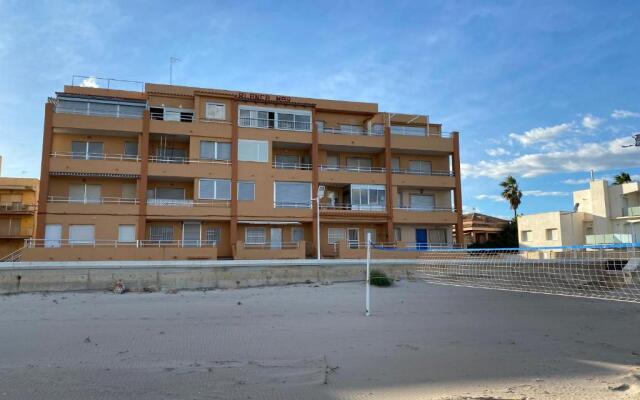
583, 157
498, 151
541, 134
591, 122
469, 209
542, 193
621, 114
89, 82
576, 181
493, 197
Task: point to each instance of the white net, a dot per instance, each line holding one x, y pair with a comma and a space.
603, 271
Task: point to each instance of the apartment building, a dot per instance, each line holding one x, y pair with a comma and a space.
603, 214
481, 228
174, 172
18, 197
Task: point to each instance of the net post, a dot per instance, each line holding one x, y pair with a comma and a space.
367, 297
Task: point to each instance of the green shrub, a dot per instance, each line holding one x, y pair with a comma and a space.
379, 278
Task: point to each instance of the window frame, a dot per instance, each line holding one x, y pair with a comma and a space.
256, 156
277, 204
343, 235
131, 226
218, 104
215, 188
253, 190
216, 150
255, 120
255, 229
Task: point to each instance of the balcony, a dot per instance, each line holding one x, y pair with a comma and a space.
17, 208
433, 143
272, 123
94, 163
352, 174
101, 205
351, 132
171, 114
13, 229
436, 179
612, 238
342, 210
425, 215
631, 212
296, 166
269, 250
80, 113
174, 208
351, 138
189, 168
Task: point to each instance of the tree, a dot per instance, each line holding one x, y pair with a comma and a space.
511, 192
622, 177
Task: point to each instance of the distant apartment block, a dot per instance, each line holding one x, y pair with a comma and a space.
174, 172
18, 197
604, 214
481, 228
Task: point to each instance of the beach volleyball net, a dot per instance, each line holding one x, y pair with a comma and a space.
603, 271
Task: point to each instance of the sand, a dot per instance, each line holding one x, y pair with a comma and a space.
312, 342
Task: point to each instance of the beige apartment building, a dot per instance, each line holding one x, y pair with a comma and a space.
18, 198
174, 172
604, 214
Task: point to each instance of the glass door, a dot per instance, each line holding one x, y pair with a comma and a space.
276, 238
191, 234
353, 237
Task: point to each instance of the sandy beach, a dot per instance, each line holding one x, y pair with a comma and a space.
423, 341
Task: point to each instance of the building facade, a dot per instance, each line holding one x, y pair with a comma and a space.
604, 214
18, 198
183, 172
481, 228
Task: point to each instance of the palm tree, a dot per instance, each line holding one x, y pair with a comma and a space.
622, 177
511, 193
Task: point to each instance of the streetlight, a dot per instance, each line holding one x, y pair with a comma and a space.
319, 195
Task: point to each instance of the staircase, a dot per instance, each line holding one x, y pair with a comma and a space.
14, 256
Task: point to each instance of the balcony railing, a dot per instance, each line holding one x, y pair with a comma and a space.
422, 173
291, 204
425, 209
266, 123
353, 207
631, 212
351, 132
300, 166
14, 230
171, 115
402, 246
418, 131
188, 203
271, 245
55, 243
345, 168
17, 207
185, 160
95, 156
612, 238
77, 106
99, 200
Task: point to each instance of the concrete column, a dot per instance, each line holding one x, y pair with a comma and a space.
389, 183
457, 192
143, 181
43, 194
315, 178
233, 224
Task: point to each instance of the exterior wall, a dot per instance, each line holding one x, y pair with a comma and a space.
18, 199
570, 228
90, 253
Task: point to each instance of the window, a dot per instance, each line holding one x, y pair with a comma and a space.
131, 150
422, 202
377, 129
395, 164
287, 161
552, 234
174, 155
438, 236
253, 150
359, 163
246, 190
87, 150
82, 234
129, 190
171, 114
353, 129
215, 189
367, 197
126, 233
256, 117
335, 235
52, 235
408, 130
420, 167
166, 193
83, 193
161, 233
525, 236
212, 236
215, 111
297, 234
254, 236
292, 194
333, 161
215, 150
397, 234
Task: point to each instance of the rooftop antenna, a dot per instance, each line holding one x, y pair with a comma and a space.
172, 60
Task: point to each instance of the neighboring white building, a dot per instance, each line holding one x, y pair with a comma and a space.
604, 214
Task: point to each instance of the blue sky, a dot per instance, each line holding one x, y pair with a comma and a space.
543, 90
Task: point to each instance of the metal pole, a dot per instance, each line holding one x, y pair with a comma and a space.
318, 226
368, 282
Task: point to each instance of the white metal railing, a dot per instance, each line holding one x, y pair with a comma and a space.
188, 203
353, 207
99, 110
425, 209
267, 123
291, 204
631, 212
612, 238
338, 131
283, 165
185, 160
16, 207
95, 156
170, 115
402, 246
100, 200
107, 83
423, 173
56, 243
271, 245
346, 168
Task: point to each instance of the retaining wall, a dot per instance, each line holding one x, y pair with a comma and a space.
24, 277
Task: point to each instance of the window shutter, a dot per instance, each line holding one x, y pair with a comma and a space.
82, 234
